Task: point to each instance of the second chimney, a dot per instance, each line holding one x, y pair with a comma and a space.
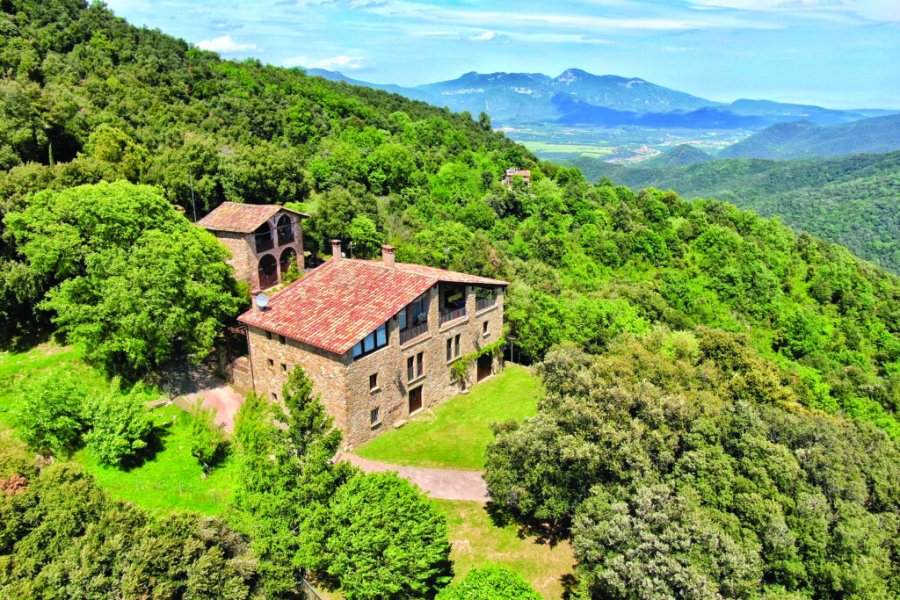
387, 256
335, 250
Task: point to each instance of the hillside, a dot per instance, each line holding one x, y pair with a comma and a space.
848, 200
802, 139
698, 359
679, 156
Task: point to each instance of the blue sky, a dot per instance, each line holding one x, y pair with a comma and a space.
836, 53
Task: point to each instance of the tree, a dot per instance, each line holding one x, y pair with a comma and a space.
61, 536
127, 277
287, 479
365, 237
120, 426
207, 440
492, 582
52, 416
386, 539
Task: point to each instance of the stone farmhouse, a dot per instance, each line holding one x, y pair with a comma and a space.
264, 240
377, 338
511, 175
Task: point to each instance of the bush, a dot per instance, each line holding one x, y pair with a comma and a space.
387, 540
121, 426
51, 419
490, 583
207, 440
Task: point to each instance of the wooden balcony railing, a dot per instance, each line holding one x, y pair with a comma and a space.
411, 333
482, 303
452, 315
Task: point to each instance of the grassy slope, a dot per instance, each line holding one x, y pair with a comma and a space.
478, 541
456, 433
168, 480
171, 479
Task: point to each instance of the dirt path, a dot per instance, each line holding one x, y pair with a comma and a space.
449, 484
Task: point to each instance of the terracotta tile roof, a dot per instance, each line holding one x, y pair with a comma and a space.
341, 302
241, 218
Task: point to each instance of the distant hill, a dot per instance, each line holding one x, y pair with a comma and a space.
805, 139
851, 200
576, 97
679, 156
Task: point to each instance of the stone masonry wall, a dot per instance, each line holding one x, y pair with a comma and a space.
242, 257
391, 396
273, 360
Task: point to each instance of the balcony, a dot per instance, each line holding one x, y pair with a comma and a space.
452, 315
411, 333
483, 303
264, 242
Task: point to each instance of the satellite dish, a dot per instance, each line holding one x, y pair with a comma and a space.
262, 301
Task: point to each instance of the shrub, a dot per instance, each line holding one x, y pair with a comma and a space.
387, 540
207, 440
490, 583
51, 419
121, 426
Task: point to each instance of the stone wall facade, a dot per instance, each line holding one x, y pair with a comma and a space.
273, 357
344, 383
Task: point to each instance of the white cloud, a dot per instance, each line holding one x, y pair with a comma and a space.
340, 62
484, 36
225, 44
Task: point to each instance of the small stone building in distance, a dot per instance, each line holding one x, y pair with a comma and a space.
264, 239
377, 338
511, 175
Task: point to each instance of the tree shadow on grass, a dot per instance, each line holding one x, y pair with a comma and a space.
543, 532
156, 443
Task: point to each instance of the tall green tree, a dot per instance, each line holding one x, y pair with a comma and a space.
124, 275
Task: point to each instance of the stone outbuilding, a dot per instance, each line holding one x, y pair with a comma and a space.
377, 338
510, 176
265, 240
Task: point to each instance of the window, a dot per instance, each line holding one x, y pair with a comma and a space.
453, 347
283, 368
281, 339
415, 366
372, 342
414, 313
268, 335
484, 328
373, 382
271, 362
375, 416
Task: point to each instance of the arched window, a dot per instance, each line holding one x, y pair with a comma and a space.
285, 230
288, 259
268, 271
263, 236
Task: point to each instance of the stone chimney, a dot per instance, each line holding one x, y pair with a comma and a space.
335, 250
387, 256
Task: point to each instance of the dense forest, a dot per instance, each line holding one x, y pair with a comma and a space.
714, 380
849, 200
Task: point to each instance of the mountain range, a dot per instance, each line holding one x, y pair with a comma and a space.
577, 97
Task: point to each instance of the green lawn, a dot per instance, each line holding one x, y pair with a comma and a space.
477, 541
171, 479
456, 433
